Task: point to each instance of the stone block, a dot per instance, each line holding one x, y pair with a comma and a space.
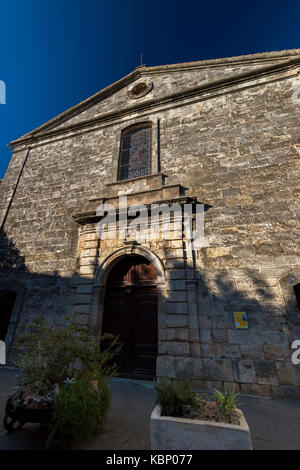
244, 370
283, 391
219, 335
195, 349
162, 347
178, 308
82, 298
84, 289
198, 368
252, 351
266, 372
232, 387
173, 253
205, 335
193, 335
174, 264
88, 261
162, 334
288, 373
256, 389
171, 334
81, 309
182, 334
210, 350
90, 253
193, 322
165, 367
176, 285
218, 369
86, 270
177, 348
174, 274
183, 367
176, 296
256, 337
218, 251
276, 351
82, 319
230, 351
177, 321
204, 322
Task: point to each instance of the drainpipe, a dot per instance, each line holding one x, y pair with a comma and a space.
16, 186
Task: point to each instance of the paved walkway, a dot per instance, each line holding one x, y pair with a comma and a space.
274, 424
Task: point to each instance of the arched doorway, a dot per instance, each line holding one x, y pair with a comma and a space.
7, 302
297, 294
130, 311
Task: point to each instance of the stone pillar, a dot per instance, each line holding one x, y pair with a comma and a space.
83, 284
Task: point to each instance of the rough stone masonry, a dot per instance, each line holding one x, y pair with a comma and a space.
225, 133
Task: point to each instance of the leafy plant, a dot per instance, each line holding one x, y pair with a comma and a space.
81, 406
50, 355
173, 395
226, 402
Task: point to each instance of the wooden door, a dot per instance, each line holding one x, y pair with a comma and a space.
131, 313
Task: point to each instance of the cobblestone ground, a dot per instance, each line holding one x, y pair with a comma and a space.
274, 424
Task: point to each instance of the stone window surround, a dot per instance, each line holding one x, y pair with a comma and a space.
155, 167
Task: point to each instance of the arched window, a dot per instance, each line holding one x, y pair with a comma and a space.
135, 152
297, 293
7, 302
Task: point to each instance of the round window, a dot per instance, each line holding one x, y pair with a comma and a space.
140, 89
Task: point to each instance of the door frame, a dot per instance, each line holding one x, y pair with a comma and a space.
20, 291
100, 280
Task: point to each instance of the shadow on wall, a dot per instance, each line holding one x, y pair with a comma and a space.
10, 258
24, 295
221, 354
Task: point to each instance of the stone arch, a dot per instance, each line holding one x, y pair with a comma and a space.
107, 264
100, 279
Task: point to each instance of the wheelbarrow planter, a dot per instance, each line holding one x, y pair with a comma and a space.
17, 416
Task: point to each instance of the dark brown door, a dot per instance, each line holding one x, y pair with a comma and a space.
131, 313
7, 301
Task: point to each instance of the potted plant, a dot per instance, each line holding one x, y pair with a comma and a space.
184, 420
61, 383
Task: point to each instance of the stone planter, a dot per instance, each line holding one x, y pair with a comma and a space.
168, 433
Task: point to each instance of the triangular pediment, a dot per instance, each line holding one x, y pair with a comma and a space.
165, 82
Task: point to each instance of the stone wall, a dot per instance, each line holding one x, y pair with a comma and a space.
230, 140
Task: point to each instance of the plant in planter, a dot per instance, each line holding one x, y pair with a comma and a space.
61, 381
184, 420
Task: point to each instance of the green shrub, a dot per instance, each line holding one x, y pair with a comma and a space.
81, 406
50, 355
173, 395
226, 402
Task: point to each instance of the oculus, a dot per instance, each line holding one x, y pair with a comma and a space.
140, 89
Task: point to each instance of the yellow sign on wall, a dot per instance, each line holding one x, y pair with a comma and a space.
240, 319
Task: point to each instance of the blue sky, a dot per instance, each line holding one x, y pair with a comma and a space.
55, 53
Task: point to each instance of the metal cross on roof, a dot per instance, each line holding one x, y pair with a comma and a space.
141, 59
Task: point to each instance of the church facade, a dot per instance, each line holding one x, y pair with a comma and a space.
223, 134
